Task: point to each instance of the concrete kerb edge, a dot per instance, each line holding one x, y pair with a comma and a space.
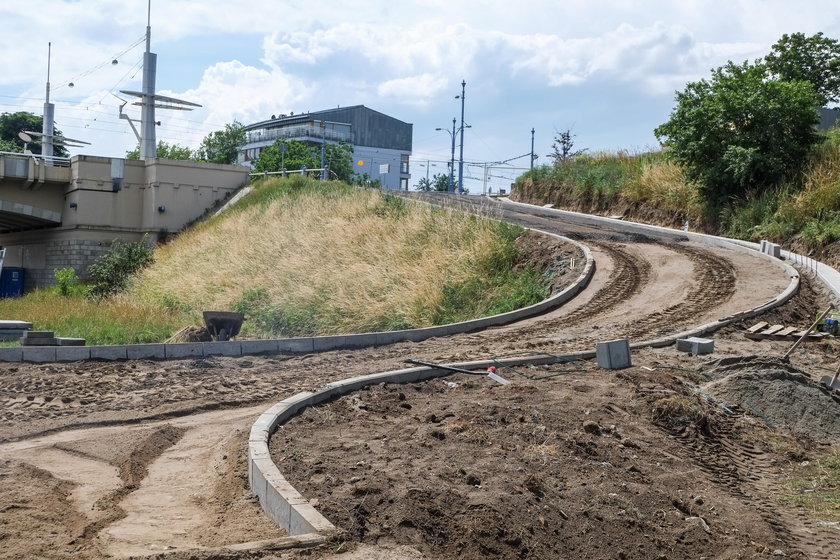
320, 344
305, 511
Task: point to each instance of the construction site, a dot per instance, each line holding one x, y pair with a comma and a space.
696, 436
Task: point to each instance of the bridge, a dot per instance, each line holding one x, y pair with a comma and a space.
66, 212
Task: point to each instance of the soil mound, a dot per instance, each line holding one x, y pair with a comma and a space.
784, 396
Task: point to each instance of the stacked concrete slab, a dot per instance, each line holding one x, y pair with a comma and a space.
13, 330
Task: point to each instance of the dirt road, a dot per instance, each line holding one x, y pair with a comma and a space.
143, 458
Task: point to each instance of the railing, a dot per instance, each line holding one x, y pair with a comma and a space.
306, 131
52, 161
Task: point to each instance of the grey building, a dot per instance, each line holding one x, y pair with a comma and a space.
381, 144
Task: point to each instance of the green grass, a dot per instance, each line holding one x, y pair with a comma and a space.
815, 486
111, 322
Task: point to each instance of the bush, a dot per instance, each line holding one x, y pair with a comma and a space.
66, 280
111, 272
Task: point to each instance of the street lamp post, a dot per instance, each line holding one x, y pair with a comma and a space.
532, 148
461, 158
452, 159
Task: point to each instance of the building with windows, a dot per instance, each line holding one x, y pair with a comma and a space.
381, 144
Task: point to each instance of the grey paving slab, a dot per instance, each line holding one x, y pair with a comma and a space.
109, 352
252, 347
226, 348
72, 353
38, 353
11, 354
146, 351
296, 345
185, 350
613, 354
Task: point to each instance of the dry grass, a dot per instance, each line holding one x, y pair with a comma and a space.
662, 184
357, 255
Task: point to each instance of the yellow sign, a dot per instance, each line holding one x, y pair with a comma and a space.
360, 162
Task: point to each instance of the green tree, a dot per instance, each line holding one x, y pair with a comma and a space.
165, 151
438, 183
111, 272
291, 155
814, 59
563, 147
13, 123
222, 146
741, 130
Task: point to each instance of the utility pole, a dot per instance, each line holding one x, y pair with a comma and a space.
532, 148
48, 124
461, 159
452, 161
323, 146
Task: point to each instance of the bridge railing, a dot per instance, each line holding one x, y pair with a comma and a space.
51, 161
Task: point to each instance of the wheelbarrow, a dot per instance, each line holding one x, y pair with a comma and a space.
223, 325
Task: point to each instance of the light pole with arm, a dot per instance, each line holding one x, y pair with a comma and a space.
452, 160
461, 158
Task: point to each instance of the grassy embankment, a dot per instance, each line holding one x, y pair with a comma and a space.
802, 214
301, 257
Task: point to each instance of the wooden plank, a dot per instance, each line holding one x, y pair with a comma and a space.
773, 329
786, 331
758, 326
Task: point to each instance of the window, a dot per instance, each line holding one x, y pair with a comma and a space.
404, 165
404, 184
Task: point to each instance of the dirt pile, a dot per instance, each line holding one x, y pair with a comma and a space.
778, 393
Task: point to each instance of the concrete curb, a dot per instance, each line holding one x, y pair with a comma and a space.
290, 510
302, 345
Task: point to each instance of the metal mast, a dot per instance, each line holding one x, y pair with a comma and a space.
148, 140
48, 124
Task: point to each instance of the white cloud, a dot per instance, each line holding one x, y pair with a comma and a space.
418, 90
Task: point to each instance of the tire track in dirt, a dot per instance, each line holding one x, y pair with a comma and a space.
715, 284
750, 475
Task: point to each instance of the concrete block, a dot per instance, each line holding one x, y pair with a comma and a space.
68, 341
324, 343
38, 353
184, 349
613, 354
72, 353
16, 325
39, 334
38, 341
224, 348
696, 346
14, 354
382, 338
306, 519
109, 352
146, 351
360, 340
296, 345
252, 347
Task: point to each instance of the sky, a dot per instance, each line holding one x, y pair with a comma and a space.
606, 70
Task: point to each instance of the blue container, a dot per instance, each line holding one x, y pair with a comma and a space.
11, 282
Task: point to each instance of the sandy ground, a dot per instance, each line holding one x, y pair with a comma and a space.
147, 458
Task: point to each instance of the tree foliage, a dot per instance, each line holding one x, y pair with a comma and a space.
222, 146
165, 151
563, 147
438, 183
741, 130
13, 123
292, 155
814, 59
110, 273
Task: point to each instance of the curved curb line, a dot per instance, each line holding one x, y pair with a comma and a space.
304, 345
291, 511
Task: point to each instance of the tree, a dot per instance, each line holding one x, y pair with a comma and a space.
291, 155
222, 146
741, 130
165, 151
562, 146
13, 123
814, 59
439, 183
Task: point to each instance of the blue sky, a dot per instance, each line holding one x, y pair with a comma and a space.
607, 70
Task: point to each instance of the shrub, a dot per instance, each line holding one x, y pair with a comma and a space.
66, 280
111, 272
